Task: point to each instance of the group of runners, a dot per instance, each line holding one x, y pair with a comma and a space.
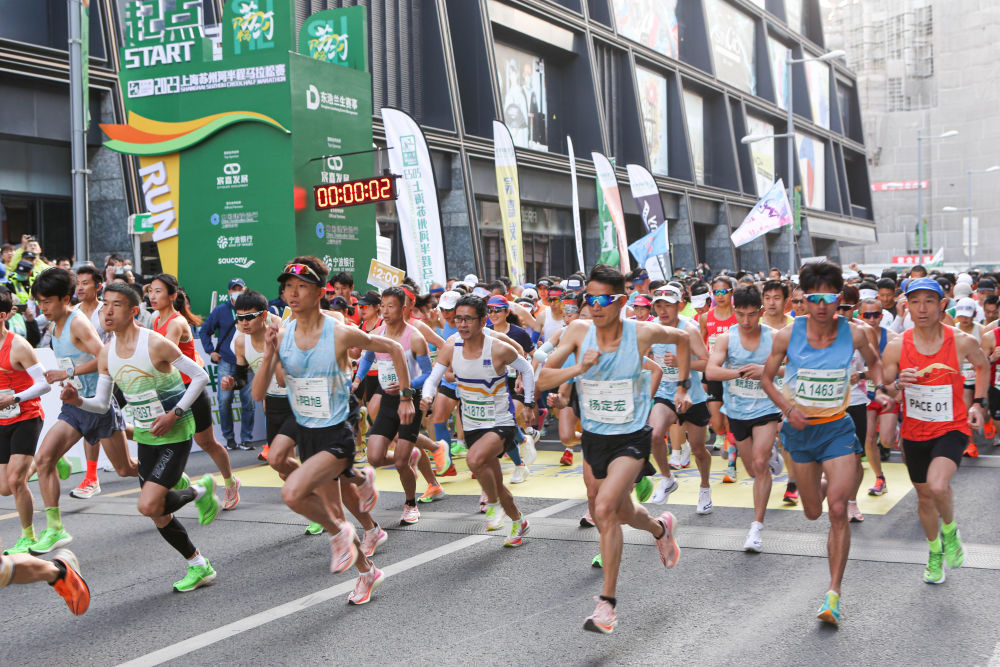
807, 376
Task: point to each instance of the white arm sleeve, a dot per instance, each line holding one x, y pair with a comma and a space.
102, 397
522, 366
542, 353
433, 380
39, 384
199, 380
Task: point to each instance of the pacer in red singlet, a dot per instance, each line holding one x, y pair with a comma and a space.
935, 426
713, 324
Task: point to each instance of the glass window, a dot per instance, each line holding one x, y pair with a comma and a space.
652, 90
762, 153
818, 78
694, 111
780, 55
793, 14
652, 23
812, 171
522, 91
43, 23
732, 34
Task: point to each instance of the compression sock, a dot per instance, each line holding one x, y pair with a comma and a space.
612, 601
28, 531
935, 544
174, 500
91, 475
177, 537
949, 528
54, 521
441, 432
197, 561
230, 482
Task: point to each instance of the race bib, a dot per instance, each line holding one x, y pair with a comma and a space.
712, 339
607, 401
820, 388
386, 372
746, 388
12, 410
670, 373
478, 411
968, 372
146, 407
310, 396
929, 403
65, 363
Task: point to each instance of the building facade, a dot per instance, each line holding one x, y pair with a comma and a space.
672, 86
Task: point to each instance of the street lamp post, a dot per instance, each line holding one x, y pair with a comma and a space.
970, 245
920, 184
789, 136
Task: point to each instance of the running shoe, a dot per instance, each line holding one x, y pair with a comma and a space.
529, 451
776, 464
587, 521
935, 573
50, 540
367, 490
664, 489
367, 583
704, 501
314, 529
231, 444
754, 543
70, 586
685, 455
990, 430
604, 619
830, 611
246, 446
442, 457
208, 504
518, 530
263, 453
197, 576
972, 451
410, 516
520, 474
494, 516
342, 549
597, 562
183, 483
791, 496
63, 468
854, 512
643, 489
880, 487
450, 472
954, 552
373, 539
717, 442
482, 503
675, 459
459, 450
730, 476
88, 489
232, 497
433, 492
22, 546
567, 458
670, 553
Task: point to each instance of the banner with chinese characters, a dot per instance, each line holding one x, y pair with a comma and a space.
510, 200
338, 36
607, 182
417, 205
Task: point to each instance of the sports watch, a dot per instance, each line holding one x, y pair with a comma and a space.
178, 412
409, 392
685, 384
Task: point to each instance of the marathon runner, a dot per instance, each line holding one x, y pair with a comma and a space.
62, 573
713, 324
775, 295
882, 419
446, 400
965, 312
615, 403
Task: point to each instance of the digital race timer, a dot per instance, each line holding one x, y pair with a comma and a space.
352, 193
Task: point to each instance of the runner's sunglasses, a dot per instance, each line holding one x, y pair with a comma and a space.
246, 317
602, 300
721, 292
301, 270
821, 298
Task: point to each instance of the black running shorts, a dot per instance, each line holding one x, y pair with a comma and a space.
600, 450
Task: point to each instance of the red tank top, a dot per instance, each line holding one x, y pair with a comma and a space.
715, 327
935, 405
18, 381
187, 348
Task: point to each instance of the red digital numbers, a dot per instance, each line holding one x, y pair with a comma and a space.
353, 193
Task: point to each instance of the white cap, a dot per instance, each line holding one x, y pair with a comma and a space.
481, 292
965, 307
529, 294
964, 278
962, 290
470, 279
448, 300
699, 300
574, 284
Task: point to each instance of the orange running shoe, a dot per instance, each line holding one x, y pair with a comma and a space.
450, 472
262, 455
567, 458
972, 451
990, 430
442, 456
71, 587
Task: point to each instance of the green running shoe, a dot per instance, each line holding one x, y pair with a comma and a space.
934, 573
954, 552
597, 562
458, 450
208, 504
22, 546
50, 540
643, 490
197, 576
183, 483
830, 611
314, 529
63, 468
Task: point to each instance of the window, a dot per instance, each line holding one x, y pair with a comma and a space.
523, 95
732, 36
43, 23
652, 89
694, 111
652, 23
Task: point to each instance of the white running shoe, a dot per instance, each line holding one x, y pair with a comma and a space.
664, 489
777, 464
520, 474
528, 451
86, 490
675, 459
704, 501
685, 454
754, 543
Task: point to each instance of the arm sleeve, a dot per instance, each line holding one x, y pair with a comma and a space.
241, 376
38, 387
365, 364
542, 353
207, 329
199, 380
433, 380
102, 397
523, 368
424, 362
32, 333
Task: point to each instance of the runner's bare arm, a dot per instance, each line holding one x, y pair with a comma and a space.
779, 347
523, 314
890, 367
86, 339
355, 337
441, 367
870, 354
272, 342
505, 338
23, 358
553, 374
102, 397
655, 374
715, 371
650, 333
699, 351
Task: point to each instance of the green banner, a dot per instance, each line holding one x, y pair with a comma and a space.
609, 243
797, 210
338, 36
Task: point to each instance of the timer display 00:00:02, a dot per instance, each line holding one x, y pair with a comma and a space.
352, 193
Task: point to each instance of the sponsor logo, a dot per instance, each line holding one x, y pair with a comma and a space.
253, 27
239, 262
326, 44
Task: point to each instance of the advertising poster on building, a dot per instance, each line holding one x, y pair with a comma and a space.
694, 112
780, 55
652, 23
652, 89
811, 171
731, 33
818, 78
762, 153
510, 200
522, 92
576, 204
647, 199
417, 205
607, 183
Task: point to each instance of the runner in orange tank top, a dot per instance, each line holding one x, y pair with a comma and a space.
924, 366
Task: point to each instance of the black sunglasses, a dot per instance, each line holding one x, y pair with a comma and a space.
872, 316
246, 317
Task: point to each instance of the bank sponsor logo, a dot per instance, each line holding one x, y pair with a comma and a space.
242, 241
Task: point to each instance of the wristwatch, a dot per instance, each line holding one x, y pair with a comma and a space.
980, 401
71, 372
178, 412
881, 388
409, 392
529, 404
685, 384
17, 399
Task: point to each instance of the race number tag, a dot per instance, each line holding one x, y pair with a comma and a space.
746, 388
386, 372
478, 411
12, 410
146, 407
670, 373
310, 396
929, 403
820, 388
607, 401
711, 340
66, 364
968, 372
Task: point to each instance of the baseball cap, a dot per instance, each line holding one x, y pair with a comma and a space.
448, 300
919, 284
470, 279
498, 302
965, 307
481, 292
642, 301
986, 283
237, 282
370, 298
574, 284
527, 303
963, 290
964, 278
699, 300
544, 282
529, 293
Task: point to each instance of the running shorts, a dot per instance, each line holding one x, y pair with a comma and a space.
93, 427
599, 450
19, 438
506, 433
743, 428
387, 422
279, 418
163, 464
821, 442
337, 440
697, 414
918, 454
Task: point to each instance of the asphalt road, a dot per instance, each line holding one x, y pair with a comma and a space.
456, 596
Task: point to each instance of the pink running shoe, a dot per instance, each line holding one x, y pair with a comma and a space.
670, 553
373, 539
343, 548
367, 490
367, 583
604, 619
